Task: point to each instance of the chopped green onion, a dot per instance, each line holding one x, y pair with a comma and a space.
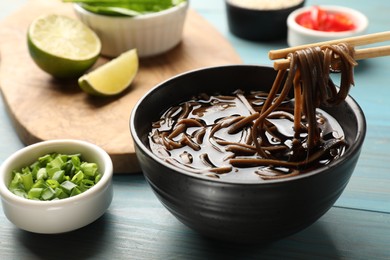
27, 180
98, 177
41, 183
41, 174
59, 176
89, 168
54, 176
78, 177
34, 193
86, 184
67, 186
57, 162
60, 194
68, 168
48, 194
17, 181
20, 192
75, 192
52, 171
45, 159
75, 159
52, 183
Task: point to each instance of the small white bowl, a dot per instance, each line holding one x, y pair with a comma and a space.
151, 34
57, 216
299, 35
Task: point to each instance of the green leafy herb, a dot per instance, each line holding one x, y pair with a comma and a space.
126, 7
54, 176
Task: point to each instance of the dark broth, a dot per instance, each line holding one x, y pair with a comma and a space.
197, 135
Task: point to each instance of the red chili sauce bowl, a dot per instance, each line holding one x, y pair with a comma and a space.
319, 19
323, 23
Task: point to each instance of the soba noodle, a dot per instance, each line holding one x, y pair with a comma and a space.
258, 134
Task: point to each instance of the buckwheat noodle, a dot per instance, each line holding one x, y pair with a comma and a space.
251, 143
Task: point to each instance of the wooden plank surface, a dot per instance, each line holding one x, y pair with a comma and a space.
43, 108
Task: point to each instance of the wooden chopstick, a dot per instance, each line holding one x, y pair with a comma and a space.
353, 41
360, 54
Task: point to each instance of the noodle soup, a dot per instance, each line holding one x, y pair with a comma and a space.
257, 135
202, 136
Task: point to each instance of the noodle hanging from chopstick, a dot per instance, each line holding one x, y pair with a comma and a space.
309, 75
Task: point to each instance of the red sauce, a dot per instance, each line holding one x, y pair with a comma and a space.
322, 20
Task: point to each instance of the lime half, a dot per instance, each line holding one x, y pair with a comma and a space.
112, 77
62, 46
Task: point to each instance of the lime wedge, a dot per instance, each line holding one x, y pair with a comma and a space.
62, 46
112, 77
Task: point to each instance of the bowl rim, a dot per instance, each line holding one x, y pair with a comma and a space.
7, 195
243, 8
173, 9
354, 147
357, 15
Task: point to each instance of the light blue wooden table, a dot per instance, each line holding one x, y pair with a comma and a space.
137, 226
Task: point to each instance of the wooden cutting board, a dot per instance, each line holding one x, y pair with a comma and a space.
42, 108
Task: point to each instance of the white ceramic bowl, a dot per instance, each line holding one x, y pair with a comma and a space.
151, 34
58, 216
299, 35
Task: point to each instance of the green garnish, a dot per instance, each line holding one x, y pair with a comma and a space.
126, 7
54, 176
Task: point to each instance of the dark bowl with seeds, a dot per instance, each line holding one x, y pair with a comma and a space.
233, 205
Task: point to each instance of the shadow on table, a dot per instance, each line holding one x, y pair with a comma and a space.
313, 242
83, 243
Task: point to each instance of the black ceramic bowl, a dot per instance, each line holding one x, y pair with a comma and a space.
241, 212
256, 24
